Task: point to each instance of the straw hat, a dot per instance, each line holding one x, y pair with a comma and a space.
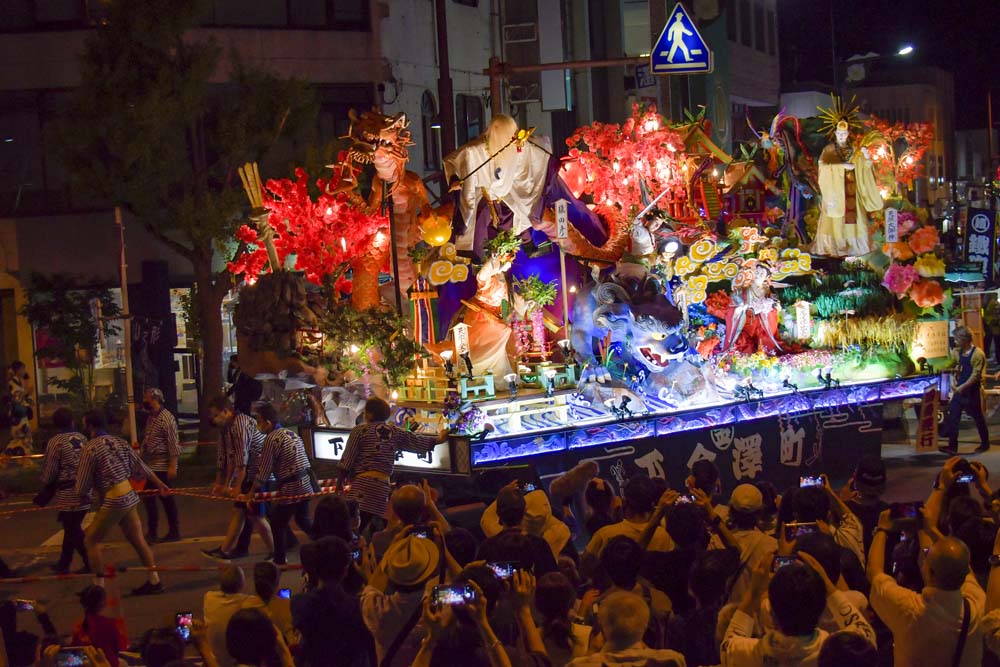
411, 560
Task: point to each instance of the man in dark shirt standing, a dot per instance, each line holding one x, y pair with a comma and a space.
329, 620
512, 544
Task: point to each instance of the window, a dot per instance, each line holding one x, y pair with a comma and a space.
772, 34
335, 101
746, 30
318, 14
50, 14
469, 120
760, 41
429, 118
731, 20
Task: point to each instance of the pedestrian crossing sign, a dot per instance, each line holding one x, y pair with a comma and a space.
680, 49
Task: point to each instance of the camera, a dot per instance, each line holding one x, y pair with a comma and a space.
910, 510
455, 595
184, 619
796, 530
810, 480
781, 561
72, 656
503, 570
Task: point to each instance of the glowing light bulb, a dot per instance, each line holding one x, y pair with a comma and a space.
908, 160
354, 348
343, 243
615, 166
394, 395
329, 210
572, 290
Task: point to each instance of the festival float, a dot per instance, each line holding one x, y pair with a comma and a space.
641, 298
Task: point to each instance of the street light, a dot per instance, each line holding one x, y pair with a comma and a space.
905, 50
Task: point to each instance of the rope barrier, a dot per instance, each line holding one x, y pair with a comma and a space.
327, 487
112, 572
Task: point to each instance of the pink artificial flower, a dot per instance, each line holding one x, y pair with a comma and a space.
899, 278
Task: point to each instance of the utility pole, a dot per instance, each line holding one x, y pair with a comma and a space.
126, 329
446, 97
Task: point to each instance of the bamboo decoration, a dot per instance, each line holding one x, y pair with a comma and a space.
252, 185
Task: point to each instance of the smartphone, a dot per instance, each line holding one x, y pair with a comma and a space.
72, 656
456, 595
503, 570
285, 593
795, 530
528, 487
966, 478
810, 480
24, 605
685, 499
422, 531
909, 510
781, 561
184, 619
356, 554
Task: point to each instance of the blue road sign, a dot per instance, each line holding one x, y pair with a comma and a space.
680, 49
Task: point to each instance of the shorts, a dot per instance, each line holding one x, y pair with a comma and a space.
107, 518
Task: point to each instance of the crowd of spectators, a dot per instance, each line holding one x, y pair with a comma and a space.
587, 574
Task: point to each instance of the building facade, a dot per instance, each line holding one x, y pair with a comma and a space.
354, 53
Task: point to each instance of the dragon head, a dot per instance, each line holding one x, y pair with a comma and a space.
380, 140
640, 313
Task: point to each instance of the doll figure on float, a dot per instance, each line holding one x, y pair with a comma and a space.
752, 314
509, 169
848, 190
641, 252
491, 342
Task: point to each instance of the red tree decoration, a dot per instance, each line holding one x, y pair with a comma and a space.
615, 158
327, 236
906, 165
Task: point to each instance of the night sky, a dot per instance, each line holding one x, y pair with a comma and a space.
961, 36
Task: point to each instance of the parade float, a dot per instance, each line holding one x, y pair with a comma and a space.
641, 297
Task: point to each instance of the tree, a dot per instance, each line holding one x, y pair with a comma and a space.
68, 314
150, 130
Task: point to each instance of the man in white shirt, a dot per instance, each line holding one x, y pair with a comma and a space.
639, 502
623, 619
927, 626
219, 607
799, 593
822, 505
745, 506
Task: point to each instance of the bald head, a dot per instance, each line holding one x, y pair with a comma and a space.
408, 503
947, 564
624, 617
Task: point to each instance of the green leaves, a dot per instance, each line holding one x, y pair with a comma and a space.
66, 311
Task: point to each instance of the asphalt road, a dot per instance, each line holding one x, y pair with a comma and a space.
30, 542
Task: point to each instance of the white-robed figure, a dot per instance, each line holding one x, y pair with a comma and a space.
849, 194
513, 178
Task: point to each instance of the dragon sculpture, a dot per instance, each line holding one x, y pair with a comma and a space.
382, 141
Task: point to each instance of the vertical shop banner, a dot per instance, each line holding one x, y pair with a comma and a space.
927, 425
980, 240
